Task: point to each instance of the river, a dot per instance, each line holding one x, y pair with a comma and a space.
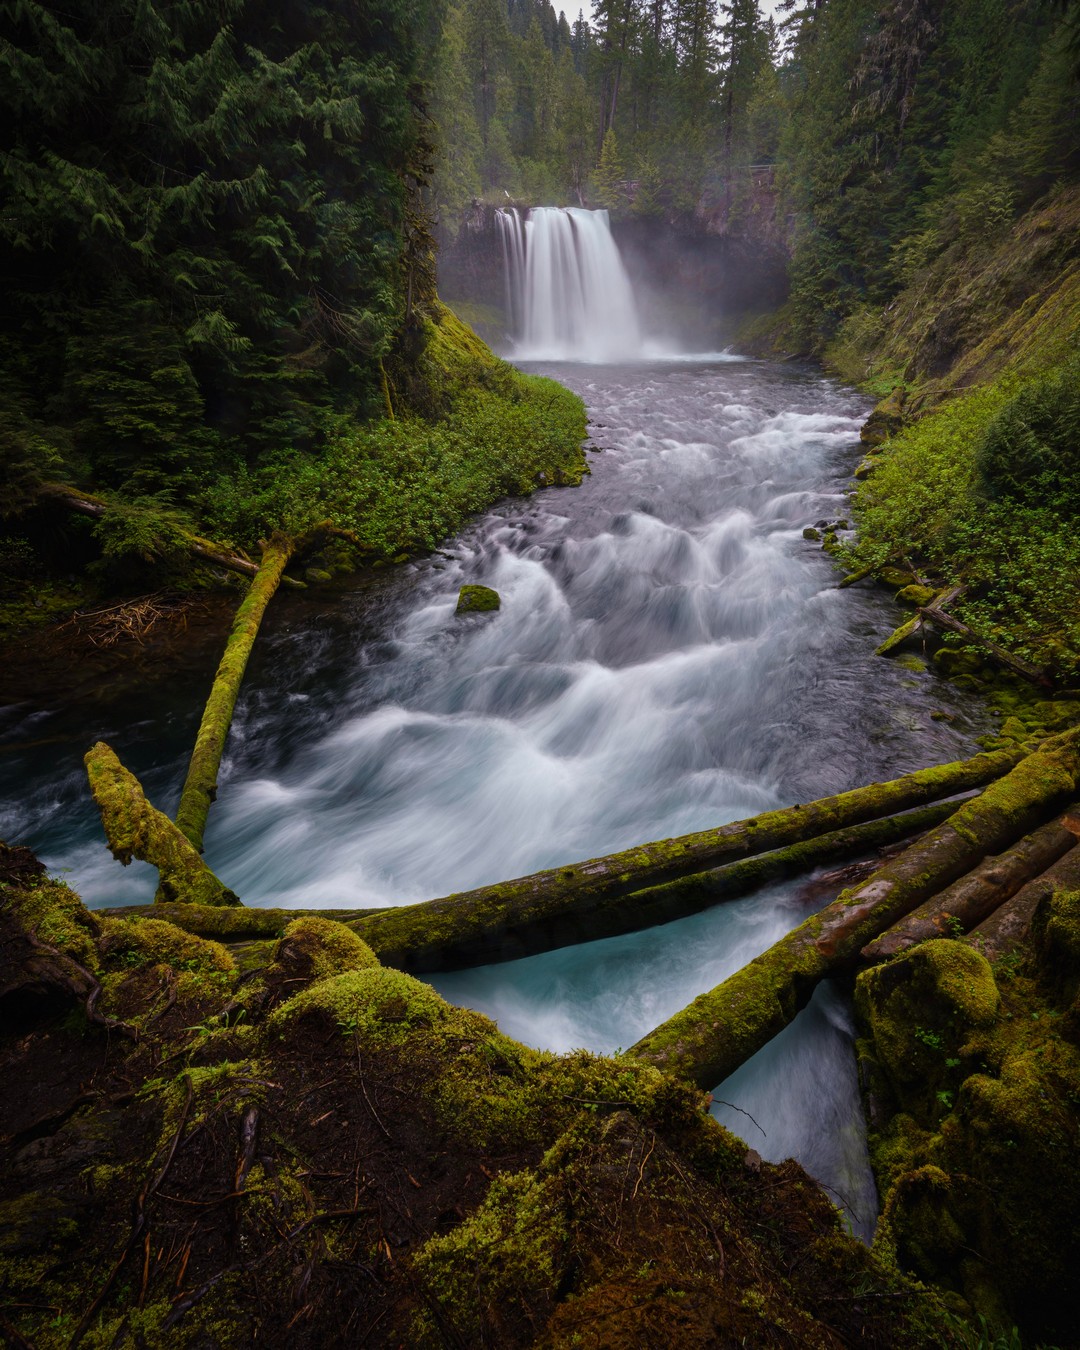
670, 654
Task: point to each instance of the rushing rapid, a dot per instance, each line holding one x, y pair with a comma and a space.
670, 654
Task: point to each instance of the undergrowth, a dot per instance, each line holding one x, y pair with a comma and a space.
982, 492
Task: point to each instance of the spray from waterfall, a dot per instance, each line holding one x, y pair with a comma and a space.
569, 297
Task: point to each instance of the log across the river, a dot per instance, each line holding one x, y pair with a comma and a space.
720, 1030
581, 901
641, 909
638, 887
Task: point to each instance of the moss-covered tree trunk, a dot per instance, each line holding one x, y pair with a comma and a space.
586, 900
135, 829
642, 909
967, 902
721, 1029
200, 786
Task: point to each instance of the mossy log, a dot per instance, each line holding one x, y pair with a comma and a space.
936, 614
1006, 930
967, 902
85, 505
200, 786
582, 901
135, 829
721, 1029
642, 909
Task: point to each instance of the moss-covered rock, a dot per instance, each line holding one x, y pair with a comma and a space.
973, 1082
477, 600
915, 595
314, 948
885, 420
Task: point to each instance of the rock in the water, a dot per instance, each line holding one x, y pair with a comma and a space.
477, 600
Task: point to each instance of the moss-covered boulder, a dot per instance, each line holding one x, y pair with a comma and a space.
477, 600
973, 1083
885, 420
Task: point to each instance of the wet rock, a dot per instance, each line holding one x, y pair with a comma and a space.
477, 600
812, 534
885, 420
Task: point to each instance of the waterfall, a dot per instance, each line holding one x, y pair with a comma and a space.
569, 297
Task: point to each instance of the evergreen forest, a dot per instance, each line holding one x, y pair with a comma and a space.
238, 352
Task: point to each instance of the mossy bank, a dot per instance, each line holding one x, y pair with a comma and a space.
322, 1151
461, 429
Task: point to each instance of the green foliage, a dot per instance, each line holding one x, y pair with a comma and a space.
1018, 554
144, 527
405, 485
1029, 451
206, 232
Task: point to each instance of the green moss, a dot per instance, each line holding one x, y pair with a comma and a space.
477, 599
135, 829
140, 941
509, 1255
56, 916
323, 947
385, 1004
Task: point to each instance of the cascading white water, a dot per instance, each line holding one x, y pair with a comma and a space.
670, 654
569, 297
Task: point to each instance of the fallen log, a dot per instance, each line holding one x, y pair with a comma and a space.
935, 614
641, 909
135, 829
967, 902
200, 786
1006, 930
720, 1030
574, 903
84, 504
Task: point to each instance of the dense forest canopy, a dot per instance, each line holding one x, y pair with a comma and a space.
205, 216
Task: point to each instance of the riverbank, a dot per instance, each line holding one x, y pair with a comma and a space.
463, 429
968, 480
965, 506
329, 1152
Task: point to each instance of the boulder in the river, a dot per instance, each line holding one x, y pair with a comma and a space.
477, 600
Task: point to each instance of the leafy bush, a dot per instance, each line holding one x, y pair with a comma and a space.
1019, 553
404, 485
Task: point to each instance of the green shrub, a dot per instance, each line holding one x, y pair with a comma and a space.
1030, 450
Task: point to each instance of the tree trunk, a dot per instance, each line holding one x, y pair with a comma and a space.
1007, 929
720, 1030
200, 786
85, 505
135, 829
576, 903
642, 909
967, 902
